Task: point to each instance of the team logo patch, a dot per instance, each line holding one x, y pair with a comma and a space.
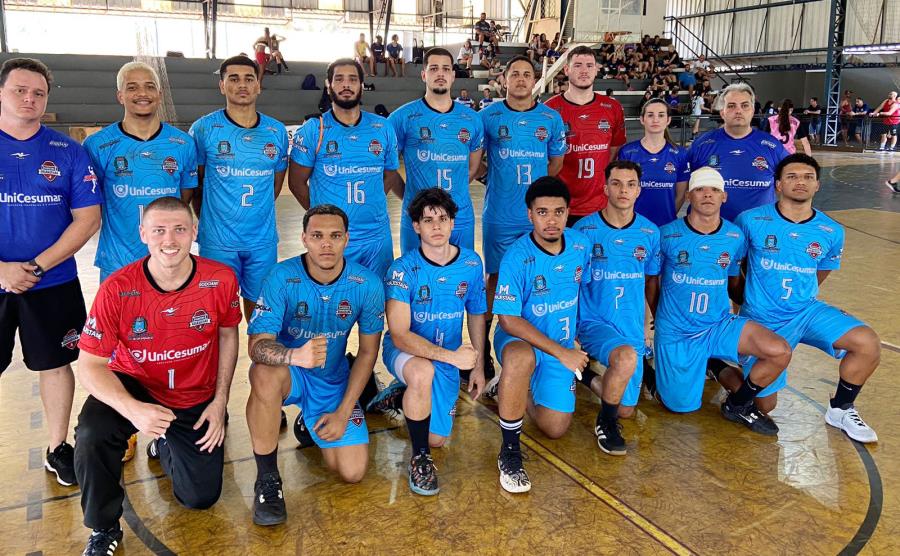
640, 253
463, 136
713, 160
669, 168
597, 251
814, 250
344, 309
760, 163
139, 330
424, 294
120, 190
578, 272
771, 243
462, 289
49, 170
302, 311
199, 320
224, 147
70, 339
541, 133
422, 155
331, 147
270, 150
724, 260
356, 416
375, 147
503, 132
170, 165
208, 284
603, 125
121, 165
683, 258
540, 284
424, 134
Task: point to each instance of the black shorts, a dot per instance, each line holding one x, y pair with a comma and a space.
891, 130
49, 322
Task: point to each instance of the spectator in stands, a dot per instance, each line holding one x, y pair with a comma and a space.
857, 115
484, 32
671, 99
465, 99
609, 93
418, 52
495, 70
486, 99
703, 64
536, 49
275, 50
378, 55
648, 94
687, 79
786, 128
813, 112
698, 107
363, 55
767, 112
394, 57
495, 88
465, 56
487, 57
889, 109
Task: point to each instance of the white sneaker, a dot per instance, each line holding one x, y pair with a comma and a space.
895, 187
492, 388
849, 421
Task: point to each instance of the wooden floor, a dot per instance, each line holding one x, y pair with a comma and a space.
689, 484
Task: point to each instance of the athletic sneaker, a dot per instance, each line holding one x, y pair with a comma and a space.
389, 399
649, 382
103, 542
749, 416
609, 437
492, 388
283, 420
848, 420
895, 187
301, 433
132, 447
153, 448
268, 500
422, 475
61, 462
513, 477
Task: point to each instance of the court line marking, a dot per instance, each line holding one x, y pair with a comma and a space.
890, 346
630, 514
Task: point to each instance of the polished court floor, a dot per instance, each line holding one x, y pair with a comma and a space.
689, 484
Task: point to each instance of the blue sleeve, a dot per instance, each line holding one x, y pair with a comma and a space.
267, 316
476, 302
693, 157
371, 321
654, 257
83, 187
189, 172
391, 156
396, 283
832, 259
476, 143
683, 168
557, 146
396, 120
735, 268
282, 149
509, 295
199, 136
306, 139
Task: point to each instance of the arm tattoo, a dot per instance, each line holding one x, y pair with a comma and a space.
270, 352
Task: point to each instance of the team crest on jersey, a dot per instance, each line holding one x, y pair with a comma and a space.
70, 339
724, 260
603, 125
760, 163
424, 294
425, 134
462, 289
578, 272
344, 309
503, 133
225, 149
814, 250
331, 147
120, 190
540, 285
170, 165
375, 147
541, 133
683, 258
771, 243
301, 312
640, 253
463, 136
356, 416
669, 168
713, 160
120, 163
49, 170
270, 151
139, 330
597, 251
200, 320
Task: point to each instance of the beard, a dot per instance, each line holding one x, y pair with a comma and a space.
439, 90
345, 104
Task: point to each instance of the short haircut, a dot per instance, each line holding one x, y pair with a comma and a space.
797, 158
547, 186
436, 51
325, 210
518, 58
815, 99
28, 64
329, 73
237, 61
579, 51
434, 197
135, 66
622, 165
169, 204
734, 88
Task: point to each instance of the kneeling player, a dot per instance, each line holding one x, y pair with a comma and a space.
428, 291
298, 336
792, 249
537, 303
158, 353
701, 258
624, 265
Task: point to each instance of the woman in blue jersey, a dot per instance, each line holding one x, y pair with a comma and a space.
664, 165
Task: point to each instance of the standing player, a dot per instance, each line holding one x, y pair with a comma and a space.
792, 250
889, 109
137, 161
348, 158
158, 353
537, 301
664, 166
595, 129
49, 208
441, 143
298, 335
429, 291
701, 263
745, 156
245, 153
624, 265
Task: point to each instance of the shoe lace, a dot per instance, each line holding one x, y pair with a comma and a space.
100, 541
64, 450
853, 415
607, 431
270, 487
511, 459
423, 464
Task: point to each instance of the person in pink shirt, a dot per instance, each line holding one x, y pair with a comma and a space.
786, 128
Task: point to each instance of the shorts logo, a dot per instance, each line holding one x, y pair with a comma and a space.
139, 330
760, 163
49, 170
270, 150
70, 339
463, 136
540, 285
344, 309
572, 387
170, 165
302, 311
724, 260
121, 165
199, 320
771, 243
462, 289
578, 272
424, 294
713, 160
683, 259
120, 190
452, 412
640, 253
541, 133
356, 416
603, 125
814, 250
375, 147
425, 134
669, 168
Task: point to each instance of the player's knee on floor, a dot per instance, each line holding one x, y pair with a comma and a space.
350, 471
552, 423
436, 441
199, 496
626, 411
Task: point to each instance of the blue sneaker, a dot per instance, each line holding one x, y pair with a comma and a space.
389, 401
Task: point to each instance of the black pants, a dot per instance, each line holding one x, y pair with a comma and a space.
101, 438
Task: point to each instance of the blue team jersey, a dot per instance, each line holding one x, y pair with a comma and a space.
132, 173
436, 148
543, 288
747, 164
621, 258
438, 296
296, 308
659, 173
694, 277
348, 169
42, 179
519, 146
783, 259
238, 211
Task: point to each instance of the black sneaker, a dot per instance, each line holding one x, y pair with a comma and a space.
283, 420
422, 475
61, 462
650, 381
749, 416
268, 500
489, 370
301, 433
103, 542
153, 448
513, 477
609, 437
895, 187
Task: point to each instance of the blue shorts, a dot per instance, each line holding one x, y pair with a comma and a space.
376, 254
316, 396
681, 362
461, 236
552, 384
251, 267
444, 386
599, 340
820, 325
495, 240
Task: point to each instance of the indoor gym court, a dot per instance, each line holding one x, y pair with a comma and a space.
690, 484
